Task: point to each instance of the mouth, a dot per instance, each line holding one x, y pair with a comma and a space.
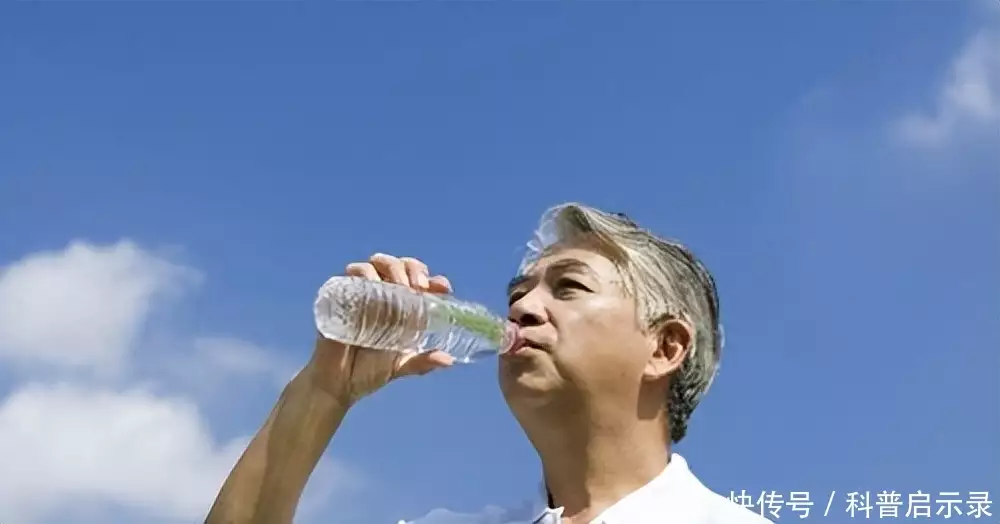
522, 343
517, 347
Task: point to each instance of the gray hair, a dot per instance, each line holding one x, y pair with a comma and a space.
665, 279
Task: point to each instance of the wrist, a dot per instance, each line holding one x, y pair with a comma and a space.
321, 379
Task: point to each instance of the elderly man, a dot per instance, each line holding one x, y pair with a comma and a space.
620, 341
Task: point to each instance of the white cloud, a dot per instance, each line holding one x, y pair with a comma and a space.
69, 447
63, 444
969, 101
488, 515
213, 364
240, 358
82, 307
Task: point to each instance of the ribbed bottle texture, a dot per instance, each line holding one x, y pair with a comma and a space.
392, 317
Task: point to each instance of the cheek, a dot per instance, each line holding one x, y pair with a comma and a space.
605, 342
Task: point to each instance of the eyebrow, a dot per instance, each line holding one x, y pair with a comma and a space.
562, 266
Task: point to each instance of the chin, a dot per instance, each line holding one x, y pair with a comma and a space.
520, 385
529, 374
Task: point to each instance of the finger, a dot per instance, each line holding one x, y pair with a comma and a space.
439, 284
439, 358
362, 269
422, 363
417, 272
390, 268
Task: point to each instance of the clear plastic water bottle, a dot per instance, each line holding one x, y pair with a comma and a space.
393, 317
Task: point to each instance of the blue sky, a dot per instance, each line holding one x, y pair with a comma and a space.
177, 179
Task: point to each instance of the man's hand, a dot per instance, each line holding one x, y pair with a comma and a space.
267, 482
349, 372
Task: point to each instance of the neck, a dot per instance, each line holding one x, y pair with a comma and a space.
592, 461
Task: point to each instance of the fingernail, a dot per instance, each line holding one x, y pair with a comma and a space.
422, 281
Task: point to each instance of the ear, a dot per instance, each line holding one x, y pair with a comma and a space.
673, 338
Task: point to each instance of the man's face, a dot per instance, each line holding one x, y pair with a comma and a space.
582, 337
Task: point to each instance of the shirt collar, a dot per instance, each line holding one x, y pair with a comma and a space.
674, 491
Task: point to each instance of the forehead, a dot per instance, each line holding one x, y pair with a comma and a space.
574, 259
586, 262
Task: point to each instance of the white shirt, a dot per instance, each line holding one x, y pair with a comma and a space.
675, 496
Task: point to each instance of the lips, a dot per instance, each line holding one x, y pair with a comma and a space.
522, 342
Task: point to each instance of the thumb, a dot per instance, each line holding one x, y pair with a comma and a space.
413, 363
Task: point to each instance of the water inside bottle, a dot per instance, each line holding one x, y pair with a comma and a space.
385, 316
465, 331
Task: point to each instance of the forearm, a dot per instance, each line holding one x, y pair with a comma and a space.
267, 482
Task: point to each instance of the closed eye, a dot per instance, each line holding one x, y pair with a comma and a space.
514, 297
570, 284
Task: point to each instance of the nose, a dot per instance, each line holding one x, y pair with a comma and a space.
528, 311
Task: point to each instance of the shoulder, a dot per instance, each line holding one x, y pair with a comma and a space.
722, 510
709, 507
